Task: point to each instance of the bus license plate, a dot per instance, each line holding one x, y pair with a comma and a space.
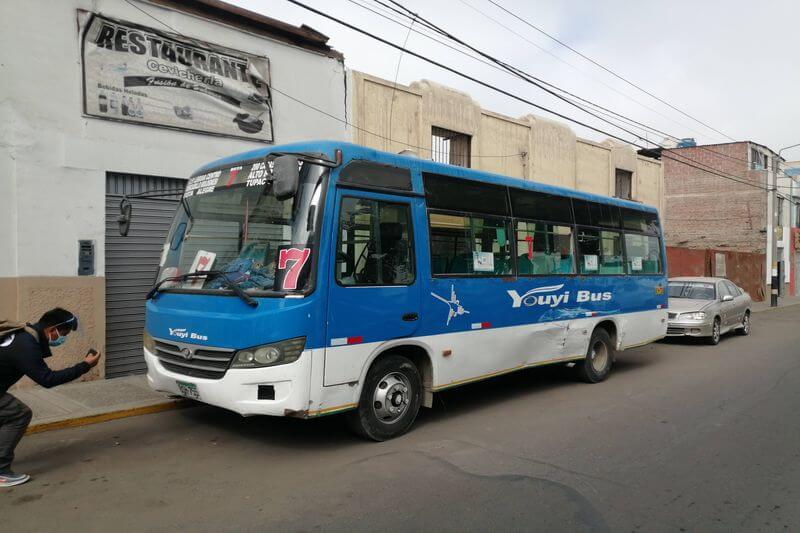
189, 390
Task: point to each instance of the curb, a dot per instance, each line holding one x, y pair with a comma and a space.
776, 308
106, 417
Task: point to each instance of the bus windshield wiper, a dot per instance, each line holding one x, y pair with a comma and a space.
208, 274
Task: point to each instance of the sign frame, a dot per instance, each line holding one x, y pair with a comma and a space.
85, 20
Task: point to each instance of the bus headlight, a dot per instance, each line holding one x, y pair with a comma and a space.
277, 353
694, 316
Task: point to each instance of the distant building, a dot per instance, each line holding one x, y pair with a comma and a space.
737, 226
446, 125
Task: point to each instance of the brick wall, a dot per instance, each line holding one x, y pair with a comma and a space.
743, 268
706, 211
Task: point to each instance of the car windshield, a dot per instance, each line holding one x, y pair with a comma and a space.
695, 290
230, 222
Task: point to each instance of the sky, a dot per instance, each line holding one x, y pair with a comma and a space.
731, 64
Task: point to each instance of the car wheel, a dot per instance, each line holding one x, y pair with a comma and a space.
745, 328
715, 333
390, 399
600, 355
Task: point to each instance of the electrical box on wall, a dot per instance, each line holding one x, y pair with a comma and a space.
85, 258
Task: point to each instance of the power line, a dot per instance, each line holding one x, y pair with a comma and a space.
341, 22
610, 87
599, 109
519, 73
712, 171
645, 91
533, 80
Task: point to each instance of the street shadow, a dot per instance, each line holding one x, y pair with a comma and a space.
328, 432
332, 431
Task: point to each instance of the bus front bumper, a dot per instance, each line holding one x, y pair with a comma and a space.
285, 388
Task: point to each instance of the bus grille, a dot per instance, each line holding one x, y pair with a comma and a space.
195, 361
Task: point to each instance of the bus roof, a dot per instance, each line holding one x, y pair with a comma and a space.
352, 151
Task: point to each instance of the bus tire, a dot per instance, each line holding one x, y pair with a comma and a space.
600, 356
390, 399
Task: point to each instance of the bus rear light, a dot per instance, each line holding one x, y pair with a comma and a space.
481, 325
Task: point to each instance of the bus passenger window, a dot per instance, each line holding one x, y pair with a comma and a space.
643, 254
544, 249
470, 244
600, 252
375, 243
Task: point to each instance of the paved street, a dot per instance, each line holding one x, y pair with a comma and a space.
682, 437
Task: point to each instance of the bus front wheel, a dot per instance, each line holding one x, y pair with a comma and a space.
596, 366
390, 399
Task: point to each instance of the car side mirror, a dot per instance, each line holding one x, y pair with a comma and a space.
727, 298
285, 177
124, 218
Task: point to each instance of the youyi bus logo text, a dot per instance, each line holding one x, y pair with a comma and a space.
549, 296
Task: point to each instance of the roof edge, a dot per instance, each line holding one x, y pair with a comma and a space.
222, 12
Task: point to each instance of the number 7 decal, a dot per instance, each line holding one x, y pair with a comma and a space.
298, 258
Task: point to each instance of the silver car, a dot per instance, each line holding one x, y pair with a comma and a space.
707, 307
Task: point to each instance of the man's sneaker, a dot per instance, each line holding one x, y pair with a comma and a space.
12, 480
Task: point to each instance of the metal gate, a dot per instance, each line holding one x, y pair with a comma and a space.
131, 264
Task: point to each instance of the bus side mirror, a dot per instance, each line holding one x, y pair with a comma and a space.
124, 218
285, 177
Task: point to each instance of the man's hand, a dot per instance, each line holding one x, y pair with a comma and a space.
92, 358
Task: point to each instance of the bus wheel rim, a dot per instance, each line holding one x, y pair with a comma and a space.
599, 356
391, 397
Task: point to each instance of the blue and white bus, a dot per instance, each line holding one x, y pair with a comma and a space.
321, 277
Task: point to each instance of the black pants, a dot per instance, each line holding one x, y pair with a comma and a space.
14, 419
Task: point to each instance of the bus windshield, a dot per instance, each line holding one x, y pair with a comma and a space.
230, 222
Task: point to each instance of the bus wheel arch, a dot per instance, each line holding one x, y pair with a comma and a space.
610, 327
391, 395
420, 356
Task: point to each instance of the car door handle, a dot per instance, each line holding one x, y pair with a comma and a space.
410, 317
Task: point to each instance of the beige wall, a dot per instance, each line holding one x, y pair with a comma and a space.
530, 147
27, 298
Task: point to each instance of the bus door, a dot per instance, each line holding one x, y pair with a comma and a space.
374, 293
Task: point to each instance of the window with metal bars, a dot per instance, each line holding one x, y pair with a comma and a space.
450, 147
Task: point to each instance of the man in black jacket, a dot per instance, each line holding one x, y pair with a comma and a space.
22, 353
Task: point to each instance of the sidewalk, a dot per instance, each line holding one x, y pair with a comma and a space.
785, 301
90, 402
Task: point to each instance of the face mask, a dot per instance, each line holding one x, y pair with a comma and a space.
58, 341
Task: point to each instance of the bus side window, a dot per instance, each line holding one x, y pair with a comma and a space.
643, 254
375, 244
600, 252
470, 244
544, 249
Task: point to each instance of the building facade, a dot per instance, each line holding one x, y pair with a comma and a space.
104, 97
446, 125
737, 226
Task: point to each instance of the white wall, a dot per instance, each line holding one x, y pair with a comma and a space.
53, 160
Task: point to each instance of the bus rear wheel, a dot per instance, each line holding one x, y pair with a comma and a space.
596, 366
390, 399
